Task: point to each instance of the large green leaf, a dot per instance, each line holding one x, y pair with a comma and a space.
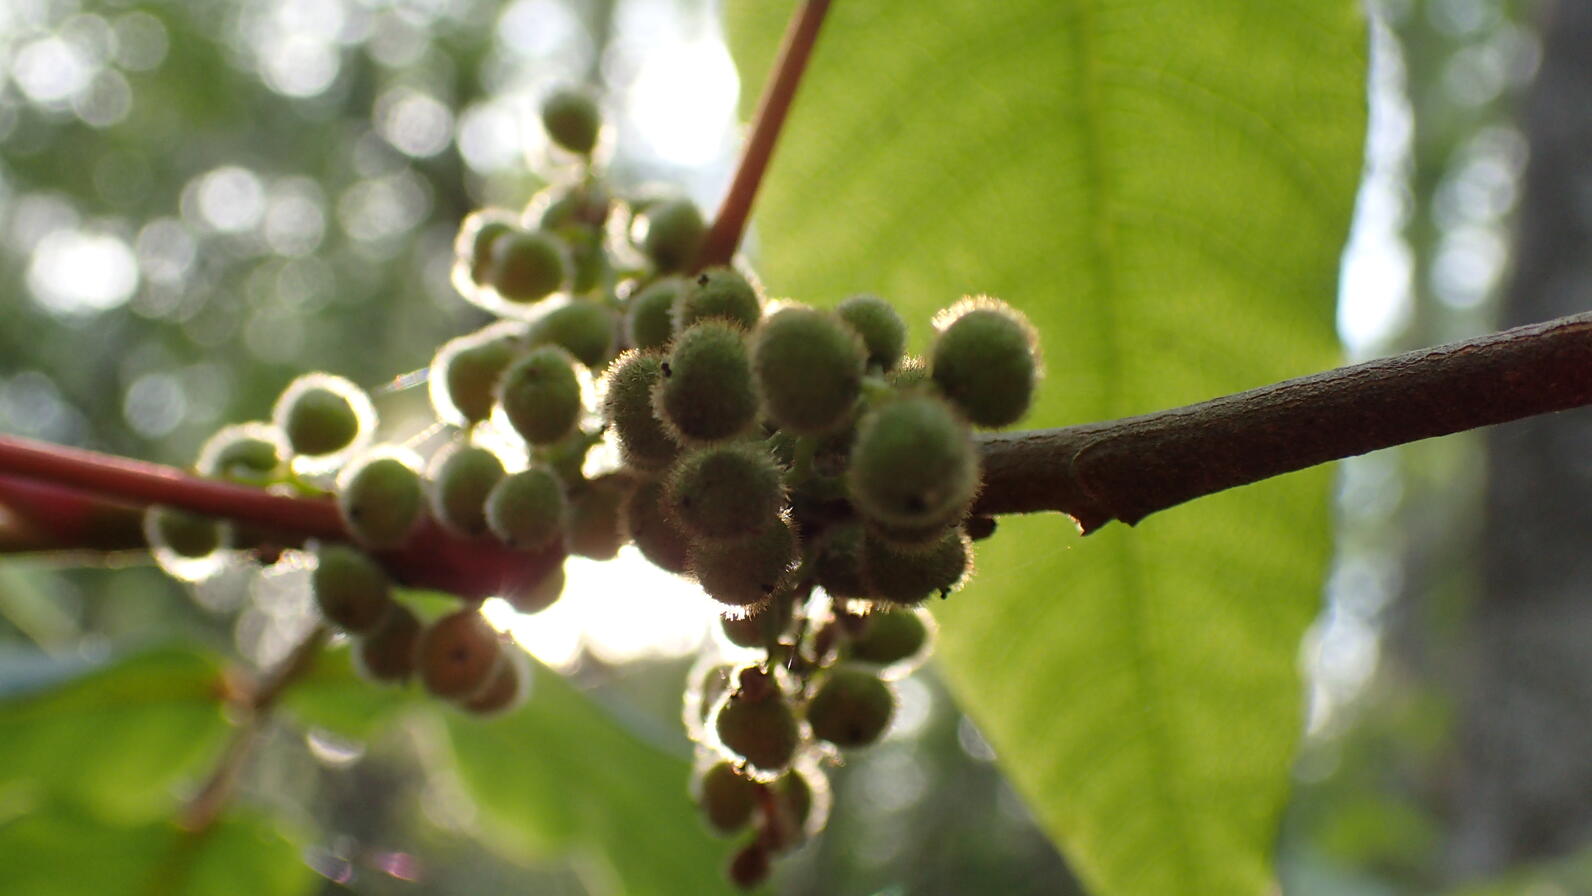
1163, 188
562, 773
60, 850
118, 738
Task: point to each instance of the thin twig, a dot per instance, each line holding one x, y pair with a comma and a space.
255, 706
1128, 469
730, 222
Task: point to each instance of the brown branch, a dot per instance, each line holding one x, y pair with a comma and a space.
255, 705
730, 222
1128, 469
39, 516
432, 558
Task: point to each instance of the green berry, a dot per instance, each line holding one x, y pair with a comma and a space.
540, 395
746, 573
881, 328
707, 393
528, 266
890, 636
464, 374
250, 453
760, 729
386, 654
671, 232
851, 708
627, 407
711, 683
728, 798
380, 497
913, 464
321, 414
582, 206
526, 510
796, 797
908, 575
458, 655
809, 369
506, 690
983, 361
649, 314
572, 120
727, 491
462, 475
350, 589
838, 567
595, 528
658, 536
184, 534
746, 631
719, 293
584, 329
540, 595
477, 237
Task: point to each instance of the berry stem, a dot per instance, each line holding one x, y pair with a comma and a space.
433, 558
795, 50
1128, 469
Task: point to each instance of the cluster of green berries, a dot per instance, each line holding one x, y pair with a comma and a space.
795, 462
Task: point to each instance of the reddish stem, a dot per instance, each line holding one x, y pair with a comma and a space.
432, 558
728, 225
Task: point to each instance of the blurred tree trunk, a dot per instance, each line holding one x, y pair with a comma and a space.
1523, 788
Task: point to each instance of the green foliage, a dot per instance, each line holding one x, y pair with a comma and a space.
595, 786
1165, 197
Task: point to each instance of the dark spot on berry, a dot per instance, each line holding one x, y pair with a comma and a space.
702, 279
665, 368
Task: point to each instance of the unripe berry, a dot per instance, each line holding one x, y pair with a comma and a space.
507, 689
525, 510
540, 395
571, 118
649, 314
908, 575
749, 866
539, 595
461, 477
528, 266
705, 684
627, 407
459, 655
881, 328
584, 329
250, 453
707, 393
838, 568
746, 631
321, 414
727, 491
595, 529
851, 708
983, 360
746, 573
380, 497
913, 464
184, 534
719, 293
583, 205
760, 729
670, 232
386, 653
350, 589
809, 369
464, 374
659, 537
728, 799
473, 247
890, 637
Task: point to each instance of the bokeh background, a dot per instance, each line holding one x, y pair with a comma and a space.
200, 200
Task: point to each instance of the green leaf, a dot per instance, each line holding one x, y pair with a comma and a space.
560, 774
59, 850
333, 696
118, 738
1164, 190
